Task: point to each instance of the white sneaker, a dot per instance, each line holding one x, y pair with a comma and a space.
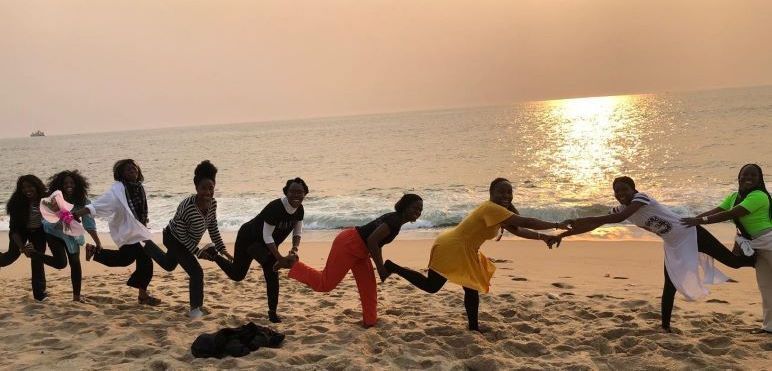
196, 313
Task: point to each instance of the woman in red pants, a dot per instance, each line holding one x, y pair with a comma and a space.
352, 250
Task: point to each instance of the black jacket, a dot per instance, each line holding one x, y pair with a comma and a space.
235, 342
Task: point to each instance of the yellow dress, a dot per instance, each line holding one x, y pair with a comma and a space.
456, 252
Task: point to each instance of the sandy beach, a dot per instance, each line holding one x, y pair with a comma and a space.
587, 305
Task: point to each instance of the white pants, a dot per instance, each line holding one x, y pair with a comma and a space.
764, 279
763, 247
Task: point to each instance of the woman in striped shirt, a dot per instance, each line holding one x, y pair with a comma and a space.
195, 214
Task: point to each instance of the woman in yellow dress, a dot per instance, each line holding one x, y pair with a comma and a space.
455, 254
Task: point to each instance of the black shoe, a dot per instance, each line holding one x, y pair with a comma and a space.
273, 317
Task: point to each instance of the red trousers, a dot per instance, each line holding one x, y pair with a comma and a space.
348, 252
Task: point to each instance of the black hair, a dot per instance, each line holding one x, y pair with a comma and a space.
761, 187
204, 170
296, 180
121, 164
495, 182
56, 183
406, 200
625, 180
18, 204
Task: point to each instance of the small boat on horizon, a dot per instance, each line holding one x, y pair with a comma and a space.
37, 133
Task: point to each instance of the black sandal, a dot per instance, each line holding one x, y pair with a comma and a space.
149, 300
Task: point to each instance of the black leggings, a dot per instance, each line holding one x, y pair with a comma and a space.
76, 273
244, 252
709, 245
123, 257
433, 282
57, 259
178, 254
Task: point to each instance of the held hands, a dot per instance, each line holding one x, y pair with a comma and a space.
53, 206
690, 222
565, 225
552, 240
228, 256
285, 262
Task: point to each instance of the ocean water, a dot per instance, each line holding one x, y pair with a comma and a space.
684, 149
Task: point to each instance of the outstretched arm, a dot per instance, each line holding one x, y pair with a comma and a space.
374, 247
534, 235
517, 221
712, 216
529, 234
584, 225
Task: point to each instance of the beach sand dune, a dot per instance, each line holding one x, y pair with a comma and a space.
547, 310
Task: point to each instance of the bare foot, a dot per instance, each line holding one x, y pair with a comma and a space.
28, 250
90, 251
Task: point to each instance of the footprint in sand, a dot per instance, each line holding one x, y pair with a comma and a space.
649, 315
719, 301
412, 336
441, 331
529, 349
47, 342
633, 303
318, 328
716, 341
394, 311
140, 351
562, 285
519, 279
616, 333
500, 260
620, 278
507, 313
159, 365
676, 346
482, 362
326, 303
584, 314
526, 328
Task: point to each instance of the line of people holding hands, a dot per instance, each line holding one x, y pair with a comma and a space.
59, 214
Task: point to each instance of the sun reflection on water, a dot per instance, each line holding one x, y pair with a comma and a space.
591, 136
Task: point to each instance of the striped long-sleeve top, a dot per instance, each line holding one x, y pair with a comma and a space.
189, 224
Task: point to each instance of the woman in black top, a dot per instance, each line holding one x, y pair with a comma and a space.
352, 250
258, 239
26, 226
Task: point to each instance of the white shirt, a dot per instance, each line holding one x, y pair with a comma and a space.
125, 229
682, 258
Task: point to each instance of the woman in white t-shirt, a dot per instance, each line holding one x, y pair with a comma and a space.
683, 244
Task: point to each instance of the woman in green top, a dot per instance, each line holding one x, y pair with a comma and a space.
749, 208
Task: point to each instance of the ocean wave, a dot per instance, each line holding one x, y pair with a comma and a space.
441, 210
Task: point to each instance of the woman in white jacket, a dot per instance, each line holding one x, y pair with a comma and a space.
125, 207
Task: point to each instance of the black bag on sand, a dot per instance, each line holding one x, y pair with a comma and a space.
235, 342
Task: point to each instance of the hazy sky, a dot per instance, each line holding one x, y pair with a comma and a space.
79, 66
